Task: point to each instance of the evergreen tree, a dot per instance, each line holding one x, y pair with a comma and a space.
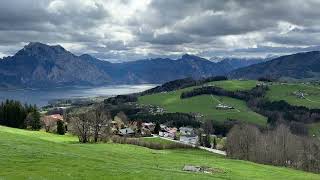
60, 127
214, 143
32, 120
157, 128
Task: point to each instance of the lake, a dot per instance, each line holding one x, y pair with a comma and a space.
40, 97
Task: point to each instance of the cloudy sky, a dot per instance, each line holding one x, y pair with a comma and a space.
122, 30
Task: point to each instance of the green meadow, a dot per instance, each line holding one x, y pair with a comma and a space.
286, 92
39, 155
235, 85
205, 105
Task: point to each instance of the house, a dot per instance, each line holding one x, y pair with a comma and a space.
162, 126
149, 126
223, 106
50, 121
168, 132
126, 132
188, 135
189, 139
186, 131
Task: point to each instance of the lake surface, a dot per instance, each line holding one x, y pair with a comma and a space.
40, 97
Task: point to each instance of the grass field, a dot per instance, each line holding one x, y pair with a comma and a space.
234, 85
204, 104
285, 92
39, 155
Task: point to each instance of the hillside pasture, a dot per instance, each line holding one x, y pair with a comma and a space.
205, 105
39, 155
235, 85
287, 92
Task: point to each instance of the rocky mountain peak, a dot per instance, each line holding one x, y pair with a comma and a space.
189, 57
40, 50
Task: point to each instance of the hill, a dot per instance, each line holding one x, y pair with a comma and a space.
206, 104
296, 94
300, 66
288, 92
41, 65
39, 155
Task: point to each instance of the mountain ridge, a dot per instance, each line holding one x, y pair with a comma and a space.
299, 66
41, 65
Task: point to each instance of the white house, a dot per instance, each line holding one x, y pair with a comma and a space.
186, 131
189, 139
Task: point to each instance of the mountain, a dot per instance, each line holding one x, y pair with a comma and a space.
235, 63
162, 70
298, 66
41, 65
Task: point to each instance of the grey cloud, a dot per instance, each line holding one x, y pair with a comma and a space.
163, 28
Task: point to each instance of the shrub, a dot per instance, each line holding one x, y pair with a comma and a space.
151, 145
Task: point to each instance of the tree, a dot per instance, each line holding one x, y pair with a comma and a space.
32, 120
206, 140
157, 128
214, 143
80, 126
208, 127
60, 127
13, 113
241, 139
90, 124
100, 120
123, 117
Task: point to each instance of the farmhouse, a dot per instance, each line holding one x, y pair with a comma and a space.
168, 132
149, 126
188, 135
50, 121
126, 132
189, 139
299, 94
186, 131
223, 106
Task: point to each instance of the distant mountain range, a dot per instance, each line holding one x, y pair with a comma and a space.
41, 65
300, 66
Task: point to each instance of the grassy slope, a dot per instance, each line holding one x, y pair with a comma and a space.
205, 105
38, 155
285, 92
234, 85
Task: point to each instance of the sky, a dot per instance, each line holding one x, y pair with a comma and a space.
126, 30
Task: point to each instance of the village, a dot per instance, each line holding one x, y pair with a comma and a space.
121, 127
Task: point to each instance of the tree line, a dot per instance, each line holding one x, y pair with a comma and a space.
258, 91
278, 146
182, 83
14, 114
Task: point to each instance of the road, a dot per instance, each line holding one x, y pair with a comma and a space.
200, 147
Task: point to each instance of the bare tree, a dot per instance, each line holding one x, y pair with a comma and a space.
100, 121
90, 124
80, 125
276, 147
